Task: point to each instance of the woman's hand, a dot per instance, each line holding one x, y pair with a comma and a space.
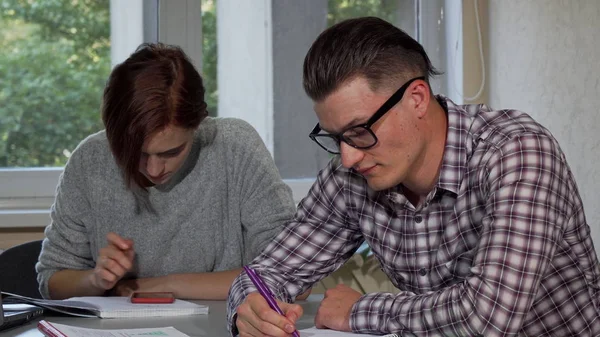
149, 284
114, 261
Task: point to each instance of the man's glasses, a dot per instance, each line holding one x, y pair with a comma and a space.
358, 136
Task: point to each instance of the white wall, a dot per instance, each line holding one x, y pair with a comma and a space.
543, 59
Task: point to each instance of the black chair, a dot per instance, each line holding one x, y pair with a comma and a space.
17, 269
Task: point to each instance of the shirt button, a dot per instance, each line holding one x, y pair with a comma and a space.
422, 271
418, 219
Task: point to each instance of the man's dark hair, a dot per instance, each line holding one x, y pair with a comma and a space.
155, 87
369, 47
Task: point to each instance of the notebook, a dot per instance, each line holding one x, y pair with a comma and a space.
12, 315
314, 332
63, 330
113, 307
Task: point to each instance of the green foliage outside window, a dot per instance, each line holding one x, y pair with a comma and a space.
340, 10
54, 62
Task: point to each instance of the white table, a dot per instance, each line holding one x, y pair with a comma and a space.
211, 325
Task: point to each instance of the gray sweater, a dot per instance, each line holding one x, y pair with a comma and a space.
216, 213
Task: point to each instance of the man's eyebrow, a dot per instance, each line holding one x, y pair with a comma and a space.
348, 125
180, 147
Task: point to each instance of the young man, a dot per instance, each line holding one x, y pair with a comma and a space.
472, 212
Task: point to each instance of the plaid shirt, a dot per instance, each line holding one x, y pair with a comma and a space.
500, 247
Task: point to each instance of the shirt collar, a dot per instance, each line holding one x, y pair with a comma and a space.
454, 161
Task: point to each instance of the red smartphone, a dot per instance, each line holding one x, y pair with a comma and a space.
152, 297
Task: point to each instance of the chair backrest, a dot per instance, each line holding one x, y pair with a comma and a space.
17, 269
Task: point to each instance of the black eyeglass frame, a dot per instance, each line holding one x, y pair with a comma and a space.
385, 107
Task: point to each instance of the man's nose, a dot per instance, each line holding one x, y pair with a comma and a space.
350, 155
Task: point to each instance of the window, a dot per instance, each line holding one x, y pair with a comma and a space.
250, 55
56, 57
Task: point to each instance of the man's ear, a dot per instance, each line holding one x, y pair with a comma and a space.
420, 95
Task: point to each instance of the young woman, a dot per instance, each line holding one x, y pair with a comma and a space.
165, 198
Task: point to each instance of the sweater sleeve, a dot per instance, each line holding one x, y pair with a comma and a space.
66, 245
266, 202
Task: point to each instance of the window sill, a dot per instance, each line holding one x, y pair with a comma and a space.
28, 194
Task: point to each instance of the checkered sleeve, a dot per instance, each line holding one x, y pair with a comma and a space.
319, 239
526, 189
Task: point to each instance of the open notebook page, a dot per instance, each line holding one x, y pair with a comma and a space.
113, 307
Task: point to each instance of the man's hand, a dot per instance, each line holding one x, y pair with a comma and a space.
114, 261
255, 318
334, 311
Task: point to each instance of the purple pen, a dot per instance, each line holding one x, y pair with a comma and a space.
265, 292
